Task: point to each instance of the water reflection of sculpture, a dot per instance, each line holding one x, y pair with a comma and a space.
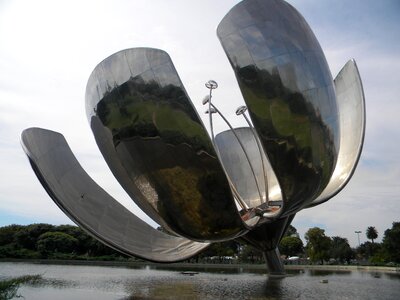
246, 183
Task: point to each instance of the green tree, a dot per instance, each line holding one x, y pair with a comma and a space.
318, 244
250, 254
229, 248
290, 231
97, 248
85, 241
27, 236
21, 241
371, 233
51, 242
368, 249
291, 246
7, 234
341, 250
391, 242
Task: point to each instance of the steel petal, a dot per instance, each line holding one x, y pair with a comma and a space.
89, 206
157, 147
287, 86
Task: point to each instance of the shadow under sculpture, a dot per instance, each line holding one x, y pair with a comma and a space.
300, 149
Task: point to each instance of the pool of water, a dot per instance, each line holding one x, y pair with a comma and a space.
148, 282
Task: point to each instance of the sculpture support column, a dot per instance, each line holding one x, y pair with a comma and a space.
274, 262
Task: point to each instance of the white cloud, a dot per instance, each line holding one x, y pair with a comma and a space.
370, 199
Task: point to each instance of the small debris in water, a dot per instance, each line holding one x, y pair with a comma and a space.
324, 281
189, 273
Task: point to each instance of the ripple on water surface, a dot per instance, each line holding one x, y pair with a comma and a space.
99, 282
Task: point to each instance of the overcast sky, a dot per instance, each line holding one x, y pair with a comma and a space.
49, 48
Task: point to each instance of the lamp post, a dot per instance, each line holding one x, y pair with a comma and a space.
358, 235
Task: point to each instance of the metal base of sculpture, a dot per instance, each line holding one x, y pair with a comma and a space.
274, 263
304, 138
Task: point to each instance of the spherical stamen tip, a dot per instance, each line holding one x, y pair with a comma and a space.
241, 110
211, 84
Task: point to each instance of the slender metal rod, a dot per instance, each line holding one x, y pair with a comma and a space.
239, 199
261, 155
211, 85
211, 122
241, 145
241, 202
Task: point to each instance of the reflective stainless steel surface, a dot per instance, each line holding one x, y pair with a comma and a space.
157, 147
241, 111
289, 92
300, 149
239, 171
351, 106
248, 217
88, 205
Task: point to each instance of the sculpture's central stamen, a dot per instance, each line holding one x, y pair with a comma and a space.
260, 210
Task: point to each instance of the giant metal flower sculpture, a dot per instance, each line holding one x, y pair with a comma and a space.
302, 144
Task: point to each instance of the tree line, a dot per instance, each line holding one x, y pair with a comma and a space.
320, 248
47, 241
37, 241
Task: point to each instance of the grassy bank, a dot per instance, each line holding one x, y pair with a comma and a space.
9, 287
